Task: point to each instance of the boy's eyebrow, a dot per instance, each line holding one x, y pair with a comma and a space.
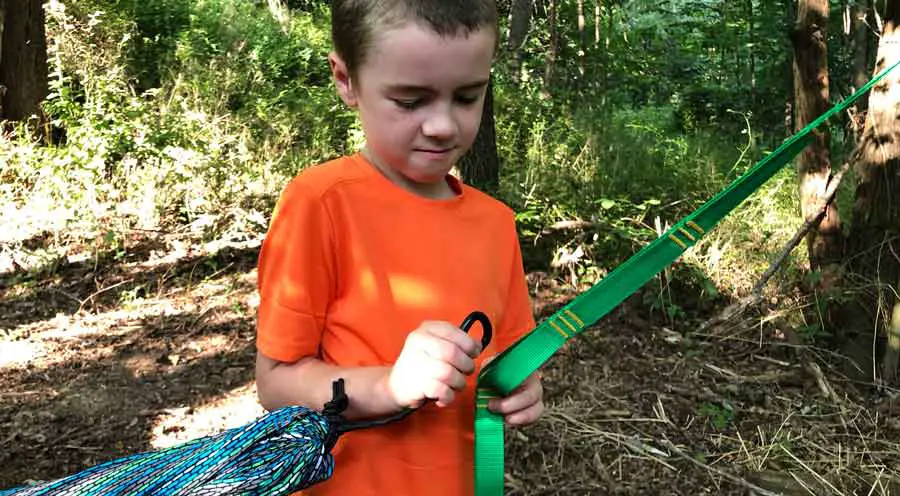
412, 88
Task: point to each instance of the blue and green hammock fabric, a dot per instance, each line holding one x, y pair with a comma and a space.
290, 449
282, 452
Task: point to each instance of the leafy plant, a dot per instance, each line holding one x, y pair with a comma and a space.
719, 415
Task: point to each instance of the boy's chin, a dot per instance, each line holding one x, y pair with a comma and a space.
426, 180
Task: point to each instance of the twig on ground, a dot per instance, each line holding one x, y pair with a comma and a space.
811, 471
101, 291
822, 382
731, 477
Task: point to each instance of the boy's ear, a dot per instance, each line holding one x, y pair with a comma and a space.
342, 79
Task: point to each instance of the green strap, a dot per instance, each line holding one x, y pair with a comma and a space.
505, 373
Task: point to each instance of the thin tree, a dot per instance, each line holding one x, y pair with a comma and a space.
23, 60
480, 166
554, 43
582, 41
519, 25
811, 99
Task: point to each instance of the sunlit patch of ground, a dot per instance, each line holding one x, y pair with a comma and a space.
178, 425
101, 360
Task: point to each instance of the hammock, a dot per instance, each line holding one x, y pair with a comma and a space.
282, 452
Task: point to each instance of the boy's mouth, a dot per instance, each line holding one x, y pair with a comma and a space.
437, 152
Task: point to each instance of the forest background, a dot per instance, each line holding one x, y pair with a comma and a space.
144, 144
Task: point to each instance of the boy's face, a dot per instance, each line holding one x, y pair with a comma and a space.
420, 97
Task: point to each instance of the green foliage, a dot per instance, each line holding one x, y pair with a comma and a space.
167, 113
236, 103
242, 105
719, 415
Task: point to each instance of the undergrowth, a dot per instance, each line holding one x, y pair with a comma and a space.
192, 115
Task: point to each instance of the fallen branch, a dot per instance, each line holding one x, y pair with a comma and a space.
756, 296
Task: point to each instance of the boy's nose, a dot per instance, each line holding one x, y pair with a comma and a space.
441, 126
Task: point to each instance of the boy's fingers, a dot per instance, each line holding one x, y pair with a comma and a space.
445, 351
447, 375
522, 398
455, 335
440, 392
526, 416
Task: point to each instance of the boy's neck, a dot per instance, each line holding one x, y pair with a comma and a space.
438, 190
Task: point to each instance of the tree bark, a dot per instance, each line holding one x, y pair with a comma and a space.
23, 60
751, 49
480, 167
519, 25
860, 11
874, 249
811, 93
554, 44
582, 40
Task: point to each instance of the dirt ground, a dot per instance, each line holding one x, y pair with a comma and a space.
150, 346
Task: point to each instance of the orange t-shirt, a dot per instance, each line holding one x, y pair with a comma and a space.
351, 264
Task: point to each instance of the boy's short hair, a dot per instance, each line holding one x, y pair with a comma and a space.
354, 23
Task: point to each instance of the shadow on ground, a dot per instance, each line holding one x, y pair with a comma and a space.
98, 285
76, 413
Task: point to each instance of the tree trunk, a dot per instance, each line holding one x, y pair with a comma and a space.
23, 60
519, 24
582, 40
810, 101
874, 248
480, 167
554, 45
860, 49
789, 16
751, 47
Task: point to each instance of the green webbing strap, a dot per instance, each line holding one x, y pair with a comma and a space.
512, 367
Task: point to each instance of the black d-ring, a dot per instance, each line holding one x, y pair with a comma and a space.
487, 331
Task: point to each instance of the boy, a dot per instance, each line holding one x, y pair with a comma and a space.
373, 260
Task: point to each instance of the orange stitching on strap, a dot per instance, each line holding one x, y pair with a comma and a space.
686, 234
678, 242
574, 317
559, 330
568, 324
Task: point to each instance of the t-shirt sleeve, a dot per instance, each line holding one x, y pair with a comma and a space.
296, 276
518, 315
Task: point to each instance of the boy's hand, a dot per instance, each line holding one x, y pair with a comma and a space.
433, 364
524, 405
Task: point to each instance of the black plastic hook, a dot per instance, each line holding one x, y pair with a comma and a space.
487, 331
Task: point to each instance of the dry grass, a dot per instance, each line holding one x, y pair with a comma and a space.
638, 410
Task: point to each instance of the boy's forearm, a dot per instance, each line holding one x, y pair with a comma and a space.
308, 382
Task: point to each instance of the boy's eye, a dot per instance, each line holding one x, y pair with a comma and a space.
407, 103
466, 100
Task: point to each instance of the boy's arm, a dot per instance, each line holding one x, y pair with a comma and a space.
279, 383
